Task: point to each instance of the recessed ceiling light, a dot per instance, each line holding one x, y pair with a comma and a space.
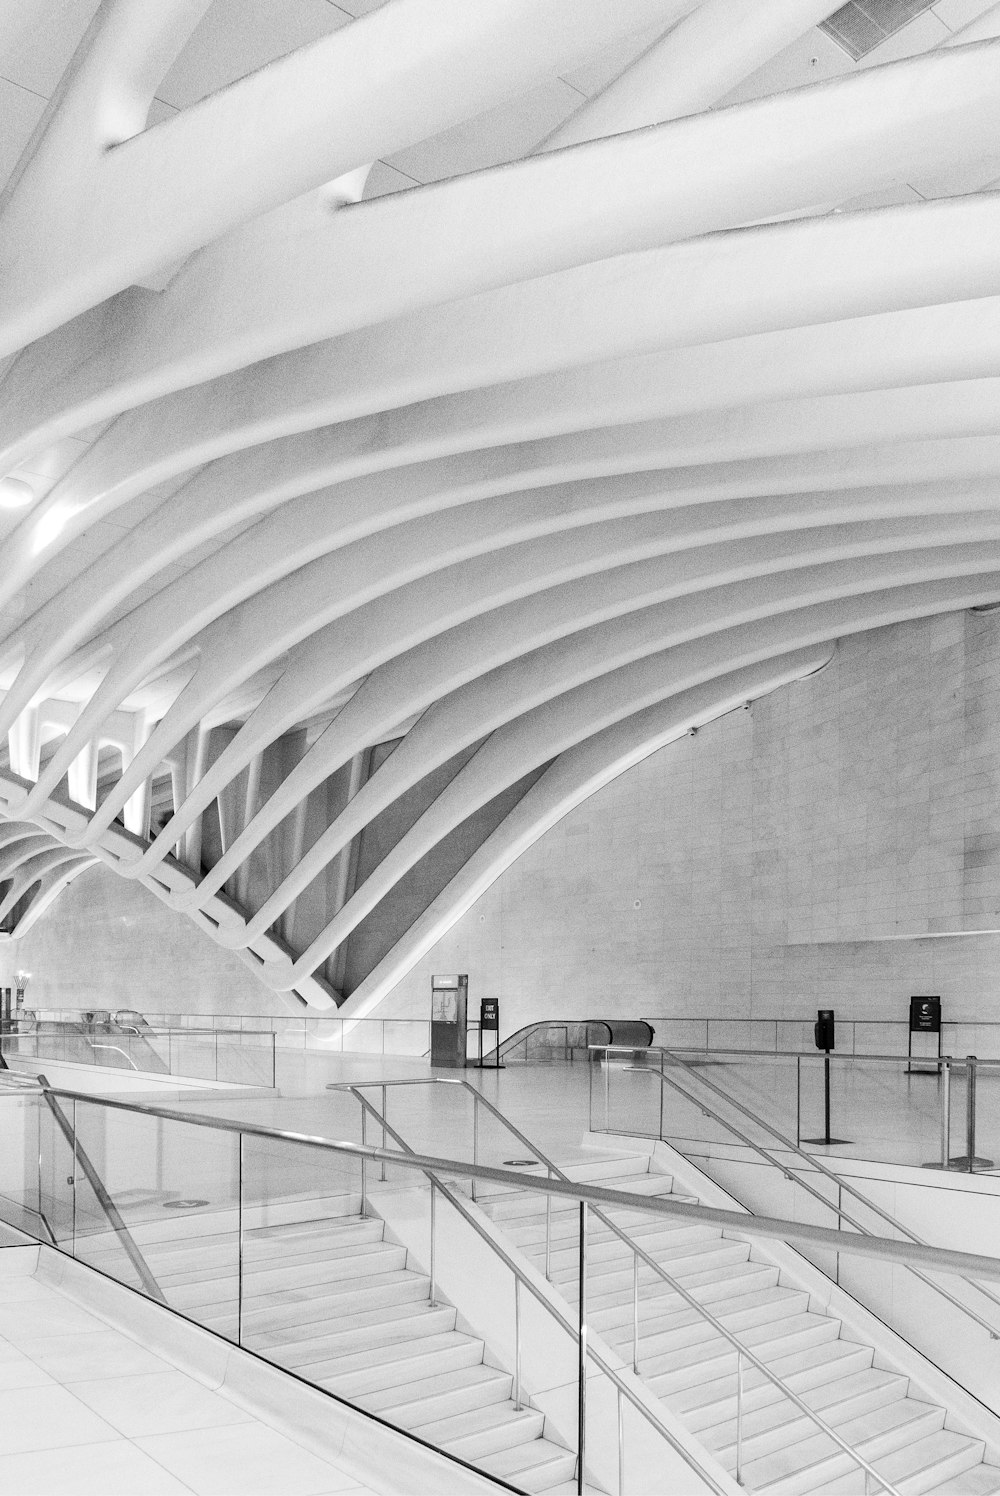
15, 493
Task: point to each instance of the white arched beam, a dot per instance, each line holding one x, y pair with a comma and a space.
246, 638
728, 285
238, 303
955, 341
102, 202
305, 527
409, 684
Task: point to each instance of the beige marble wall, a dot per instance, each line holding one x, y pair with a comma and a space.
108, 943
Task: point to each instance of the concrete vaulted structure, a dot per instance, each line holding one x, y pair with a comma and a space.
414, 414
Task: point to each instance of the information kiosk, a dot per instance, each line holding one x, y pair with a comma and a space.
449, 1003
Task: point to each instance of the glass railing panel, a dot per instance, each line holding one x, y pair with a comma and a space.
176, 1189
19, 1194
304, 1248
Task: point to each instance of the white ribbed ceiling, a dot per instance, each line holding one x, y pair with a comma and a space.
413, 414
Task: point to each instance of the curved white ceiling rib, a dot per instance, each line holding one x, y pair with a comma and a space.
363, 533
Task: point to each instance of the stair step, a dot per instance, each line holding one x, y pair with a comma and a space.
664, 1244
603, 1285
518, 1203
978, 1480
712, 1402
431, 1398
709, 1286
375, 1327
739, 1312
280, 1308
396, 1365
484, 1430
938, 1460
534, 1466
811, 1463
325, 1268
782, 1422
709, 1358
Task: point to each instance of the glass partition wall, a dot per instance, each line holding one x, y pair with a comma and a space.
339, 1260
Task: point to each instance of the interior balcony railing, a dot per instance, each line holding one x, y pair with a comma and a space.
262, 1182
672, 1074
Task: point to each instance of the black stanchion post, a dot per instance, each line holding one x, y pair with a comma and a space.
824, 1036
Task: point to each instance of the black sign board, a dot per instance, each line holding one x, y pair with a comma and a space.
489, 1013
925, 1015
823, 1031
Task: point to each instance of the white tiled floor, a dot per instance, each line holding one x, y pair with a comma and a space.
86, 1409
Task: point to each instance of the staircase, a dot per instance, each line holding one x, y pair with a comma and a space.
328, 1297
692, 1368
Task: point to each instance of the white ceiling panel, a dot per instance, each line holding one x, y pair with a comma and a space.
504, 134
20, 112
38, 38
236, 38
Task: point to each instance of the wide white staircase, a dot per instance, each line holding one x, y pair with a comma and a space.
688, 1364
327, 1296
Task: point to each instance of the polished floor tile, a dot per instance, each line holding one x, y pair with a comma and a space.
252, 1460
111, 1469
54, 1420
95, 1353
161, 1403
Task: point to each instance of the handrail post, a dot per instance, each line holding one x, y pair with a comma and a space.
662, 1088
475, 1132
581, 1368
635, 1312
739, 1418
621, 1445
946, 1112
239, 1269
433, 1288
517, 1344
105, 1201
970, 1112
798, 1101
607, 1093
385, 1104
548, 1230
74, 1177
364, 1162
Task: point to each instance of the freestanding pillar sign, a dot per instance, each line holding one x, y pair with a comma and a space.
449, 1001
489, 1022
925, 1018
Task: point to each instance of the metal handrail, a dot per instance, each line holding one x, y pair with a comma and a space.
651, 1262
779, 1228
521, 1277
817, 1166
804, 1054
116, 1049
96, 1183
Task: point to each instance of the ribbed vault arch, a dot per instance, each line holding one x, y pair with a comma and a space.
341, 532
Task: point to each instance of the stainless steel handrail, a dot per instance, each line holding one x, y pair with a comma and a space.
817, 1166
521, 1277
779, 1228
640, 1254
105, 1201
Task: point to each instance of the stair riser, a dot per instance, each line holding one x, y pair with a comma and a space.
402, 1373
394, 1407
822, 1469
299, 1349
